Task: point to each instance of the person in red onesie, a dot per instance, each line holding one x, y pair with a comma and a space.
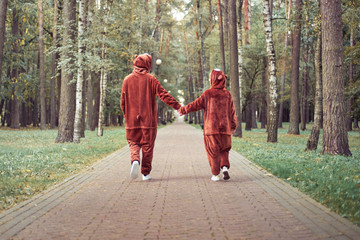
219, 123
138, 103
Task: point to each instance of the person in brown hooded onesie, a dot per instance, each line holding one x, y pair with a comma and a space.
138, 103
219, 123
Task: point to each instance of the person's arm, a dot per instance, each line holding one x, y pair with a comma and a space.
233, 115
165, 96
194, 106
122, 100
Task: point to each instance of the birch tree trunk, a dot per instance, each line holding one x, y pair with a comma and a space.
234, 65
80, 72
273, 110
335, 137
3, 11
240, 59
42, 68
294, 97
103, 76
318, 111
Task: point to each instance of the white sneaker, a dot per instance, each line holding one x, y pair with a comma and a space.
146, 178
134, 169
215, 178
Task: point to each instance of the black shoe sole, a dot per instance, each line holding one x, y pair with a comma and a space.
226, 175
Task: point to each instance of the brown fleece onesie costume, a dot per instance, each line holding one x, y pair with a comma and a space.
138, 103
219, 120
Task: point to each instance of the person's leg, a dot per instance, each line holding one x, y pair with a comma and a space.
224, 155
212, 152
148, 143
134, 151
135, 158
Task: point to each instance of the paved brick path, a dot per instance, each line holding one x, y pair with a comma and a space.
180, 202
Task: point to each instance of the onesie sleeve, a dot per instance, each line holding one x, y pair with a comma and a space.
233, 117
165, 96
123, 97
194, 106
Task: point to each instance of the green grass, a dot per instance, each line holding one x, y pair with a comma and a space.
31, 161
333, 181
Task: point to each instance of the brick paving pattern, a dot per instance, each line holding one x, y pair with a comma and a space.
180, 202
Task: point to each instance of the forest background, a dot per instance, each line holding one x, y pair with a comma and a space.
62, 63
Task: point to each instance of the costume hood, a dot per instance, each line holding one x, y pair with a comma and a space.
217, 79
142, 63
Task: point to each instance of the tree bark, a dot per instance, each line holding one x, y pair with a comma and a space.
221, 36
226, 25
53, 73
294, 97
335, 137
263, 115
3, 11
203, 65
80, 71
42, 69
103, 76
351, 76
318, 111
283, 76
234, 65
67, 95
14, 113
273, 96
156, 33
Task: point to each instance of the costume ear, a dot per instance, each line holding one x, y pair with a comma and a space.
220, 77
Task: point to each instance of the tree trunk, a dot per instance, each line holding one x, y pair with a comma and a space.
247, 17
221, 36
42, 69
203, 65
234, 65
80, 71
3, 11
294, 97
14, 113
226, 25
103, 76
240, 61
67, 95
304, 105
97, 102
53, 73
335, 137
263, 115
351, 76
89, 104
318, 111
283, 76
156, 33
273, 101
253, 111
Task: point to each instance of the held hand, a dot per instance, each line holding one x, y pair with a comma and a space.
179, 111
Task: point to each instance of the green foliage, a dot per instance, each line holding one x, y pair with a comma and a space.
30, 161
332, 180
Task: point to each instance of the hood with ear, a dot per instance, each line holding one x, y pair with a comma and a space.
217, 79
142, 63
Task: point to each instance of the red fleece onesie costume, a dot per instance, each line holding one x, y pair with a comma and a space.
138, 103
219, 120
